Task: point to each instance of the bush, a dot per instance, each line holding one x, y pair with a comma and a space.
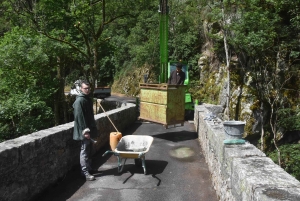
290, 158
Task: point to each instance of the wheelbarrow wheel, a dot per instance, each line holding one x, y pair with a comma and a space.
138, 162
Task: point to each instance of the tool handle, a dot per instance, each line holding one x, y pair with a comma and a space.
108, 117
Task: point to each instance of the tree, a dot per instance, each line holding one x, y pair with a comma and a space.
261, 34
26, 84
80, 24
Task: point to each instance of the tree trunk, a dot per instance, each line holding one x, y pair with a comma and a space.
60, 109
262, 141
227, 65
274, 130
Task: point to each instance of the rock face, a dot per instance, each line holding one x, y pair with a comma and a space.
128, 81
214, 82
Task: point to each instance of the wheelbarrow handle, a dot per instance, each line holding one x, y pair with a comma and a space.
110, 152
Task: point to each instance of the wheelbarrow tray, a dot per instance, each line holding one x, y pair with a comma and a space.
134, 147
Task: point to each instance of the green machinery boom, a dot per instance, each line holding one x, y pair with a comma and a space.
167, 67
164, 103
164, 30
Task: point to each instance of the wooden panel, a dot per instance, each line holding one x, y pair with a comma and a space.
153, 112
175, 114
154, 96
162, 103
176, 98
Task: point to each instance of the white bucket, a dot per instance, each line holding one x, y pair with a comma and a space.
234, 129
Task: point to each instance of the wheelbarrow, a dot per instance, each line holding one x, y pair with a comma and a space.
134, 147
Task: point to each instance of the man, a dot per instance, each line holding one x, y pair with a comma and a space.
177, 77
84, 121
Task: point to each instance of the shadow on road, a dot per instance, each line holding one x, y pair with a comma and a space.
177, 136
153, 167
65, 187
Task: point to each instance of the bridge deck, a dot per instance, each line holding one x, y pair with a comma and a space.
176, 170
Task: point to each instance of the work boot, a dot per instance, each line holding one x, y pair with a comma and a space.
89, 177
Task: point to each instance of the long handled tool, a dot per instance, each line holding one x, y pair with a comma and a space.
114, 137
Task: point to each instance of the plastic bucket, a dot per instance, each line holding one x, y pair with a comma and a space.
234, 129
114, 139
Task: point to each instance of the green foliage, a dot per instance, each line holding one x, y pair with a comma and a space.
23, 114
4, 19
290, 158
26, 84
289, 119
184, 38
135, 40
254, 30
142, 41
24, 63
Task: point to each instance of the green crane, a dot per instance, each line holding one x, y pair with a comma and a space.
164, 30
163, 103
167, 67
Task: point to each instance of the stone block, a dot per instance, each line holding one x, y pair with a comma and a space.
215, 109
238, 151
276, 193
9, 158
252, 173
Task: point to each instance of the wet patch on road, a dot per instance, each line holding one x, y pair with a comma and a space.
183, 153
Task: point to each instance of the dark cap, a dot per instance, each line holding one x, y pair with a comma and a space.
178, 65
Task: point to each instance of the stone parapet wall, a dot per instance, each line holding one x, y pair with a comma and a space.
241, 172
31, 163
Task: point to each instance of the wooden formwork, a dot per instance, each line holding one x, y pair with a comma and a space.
162, 103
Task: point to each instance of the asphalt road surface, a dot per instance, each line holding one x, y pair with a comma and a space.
176, 171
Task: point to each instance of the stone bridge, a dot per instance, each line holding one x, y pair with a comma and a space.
29, 164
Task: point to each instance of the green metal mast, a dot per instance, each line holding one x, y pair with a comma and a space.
163, 39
